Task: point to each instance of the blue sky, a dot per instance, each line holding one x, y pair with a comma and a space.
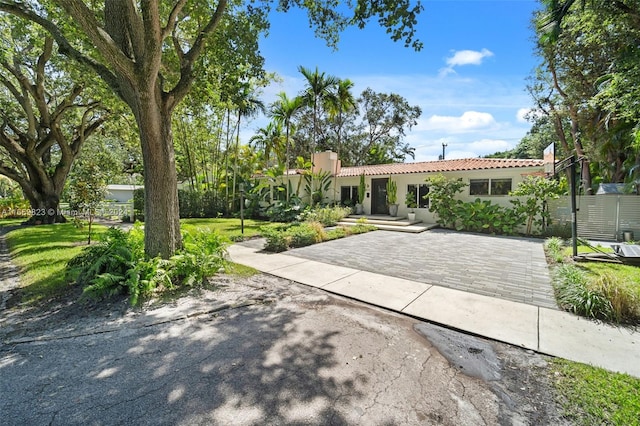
469, 79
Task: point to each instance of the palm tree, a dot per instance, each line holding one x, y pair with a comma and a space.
283, 111
270, 138
247, 105
316, 92
340, 101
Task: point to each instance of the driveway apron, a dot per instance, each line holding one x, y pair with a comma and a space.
509, 268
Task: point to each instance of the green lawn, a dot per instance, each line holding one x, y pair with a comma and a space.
590, 395
593, 396
41, 252
230, 228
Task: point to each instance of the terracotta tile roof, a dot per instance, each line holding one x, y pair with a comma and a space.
440, 166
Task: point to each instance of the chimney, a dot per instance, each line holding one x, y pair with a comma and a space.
326, 161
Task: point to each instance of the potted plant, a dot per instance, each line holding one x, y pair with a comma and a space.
361, 191
392, 197
410, 201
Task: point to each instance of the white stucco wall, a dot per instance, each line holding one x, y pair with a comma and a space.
516, 175
121, 193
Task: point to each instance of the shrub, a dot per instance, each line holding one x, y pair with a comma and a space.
574, 294
561, 230
118, 265
14, 207
283, 238
441, 198
302, 235
282, 211
554, 247
483, 216
202, 256
195, 204
534, 192
328, 216
276, 239
190, 203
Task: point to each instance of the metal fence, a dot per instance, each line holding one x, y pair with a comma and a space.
600, 217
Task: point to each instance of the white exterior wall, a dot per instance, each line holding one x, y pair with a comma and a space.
424, 214
517, 175
121, 193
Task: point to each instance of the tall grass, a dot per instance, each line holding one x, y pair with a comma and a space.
575, 294
599, 290
622, 296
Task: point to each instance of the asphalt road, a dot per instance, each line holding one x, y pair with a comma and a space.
259, 351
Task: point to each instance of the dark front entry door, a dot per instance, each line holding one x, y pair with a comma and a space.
379, 196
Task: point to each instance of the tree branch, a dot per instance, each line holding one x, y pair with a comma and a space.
186, 64
64, 46
23, 100
103, 42
172, 21
136, 29
14, 148
14, 175
65, 104
152, 38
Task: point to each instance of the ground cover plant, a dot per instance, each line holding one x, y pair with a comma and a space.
118, 264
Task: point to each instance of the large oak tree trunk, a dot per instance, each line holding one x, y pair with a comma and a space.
162, 214
45, 206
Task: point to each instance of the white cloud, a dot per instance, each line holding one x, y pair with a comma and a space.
468, 57
521, 115
526, 115
459, 147
464, 57
469, 121
489, 146
473, 117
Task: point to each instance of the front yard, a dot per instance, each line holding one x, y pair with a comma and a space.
589, 395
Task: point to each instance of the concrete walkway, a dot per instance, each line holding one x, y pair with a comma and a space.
447, 291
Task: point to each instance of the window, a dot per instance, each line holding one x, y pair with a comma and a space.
423, 196
500, 186
479, 187
420, 194
489, 186
348, 195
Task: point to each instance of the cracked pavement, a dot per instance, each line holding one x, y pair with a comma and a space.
259, 350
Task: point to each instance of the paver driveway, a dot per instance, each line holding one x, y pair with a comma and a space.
505, 267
